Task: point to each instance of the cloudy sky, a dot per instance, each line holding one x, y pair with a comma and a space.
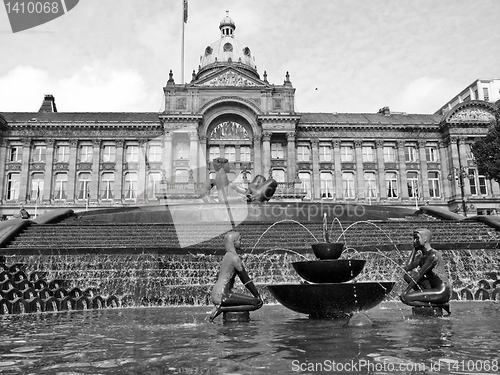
342, 55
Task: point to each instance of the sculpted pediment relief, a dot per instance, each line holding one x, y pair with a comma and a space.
472, 114
230, 78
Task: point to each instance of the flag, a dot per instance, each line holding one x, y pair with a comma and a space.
185, 10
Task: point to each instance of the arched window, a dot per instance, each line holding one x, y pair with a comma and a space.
83, 185
130, 186
348, 185
13, 183
305, 178
229, 130
326, 180
107, 185
36, 185
61, 186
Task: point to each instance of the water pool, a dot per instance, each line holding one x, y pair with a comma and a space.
179, 340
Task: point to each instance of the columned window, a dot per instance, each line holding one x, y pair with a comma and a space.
154, 153
62, 153
431, 153
132, 154
326, 180
346, 153
412, 184
477, 183
36, 185
230, 153
305, 178
348, 185
214, 152
83, 185
39, 152
277, 151
153, 181
434, 191
61, 186
85, 153
181, 150
370, 184
15, 153
303, 153
13, 184
325, 154
130, 186
245, 153
411, 153
389, 154
391, 180
107, 185
368, 153
109, 154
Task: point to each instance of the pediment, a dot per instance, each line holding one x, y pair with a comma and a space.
230, 78
471, 112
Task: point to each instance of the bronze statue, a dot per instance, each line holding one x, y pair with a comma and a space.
259, 190
223, 297
428, 286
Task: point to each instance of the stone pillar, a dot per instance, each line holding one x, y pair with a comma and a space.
463, 158
382, 188
337, 179
73, 154
94, 180
119, 171
454, 163
423, 170
403, 181
48, 182
25, 168
316, 180
291, 162
257, 153
3, 161
358, 149
142, 173
167, 155
266, 153
193, 154
445, 170
202, 160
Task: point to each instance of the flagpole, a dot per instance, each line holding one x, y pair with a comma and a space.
182, 46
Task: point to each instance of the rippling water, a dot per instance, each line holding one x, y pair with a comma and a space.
180, 340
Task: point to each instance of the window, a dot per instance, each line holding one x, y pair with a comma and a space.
85, 153
391, 181
325, 154
468, 151
277, 151
326, 181
230, 153
477, 183
83, 186
61, 186
153, 181
305, 179
482, 185
303, 153
181, 150
412, 184
109, 154
245, 153
214, 152
431, 153
36, 186
154, 153
130, 186
181, 175
38, 153
368, 153
62, 153
15, 153
472, 182
348, 185
346, 153
410, 153
107, 185
13, 183
389, 154
132, 154
486, 94
433, 178
279, 175
370, 184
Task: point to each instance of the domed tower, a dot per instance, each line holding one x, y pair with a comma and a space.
227, 50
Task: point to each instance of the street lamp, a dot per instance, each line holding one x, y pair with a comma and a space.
460, 174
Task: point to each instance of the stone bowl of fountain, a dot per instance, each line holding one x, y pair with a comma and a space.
328, 250
329, 271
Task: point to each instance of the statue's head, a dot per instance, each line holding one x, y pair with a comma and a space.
232, 239
421, 237
221, 163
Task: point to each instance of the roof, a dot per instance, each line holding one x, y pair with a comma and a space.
64, 117
369, 119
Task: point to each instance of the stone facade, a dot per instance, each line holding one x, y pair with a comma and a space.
88, 160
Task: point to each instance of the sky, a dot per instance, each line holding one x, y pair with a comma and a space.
342, 55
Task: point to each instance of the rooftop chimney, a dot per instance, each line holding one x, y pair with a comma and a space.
48, 105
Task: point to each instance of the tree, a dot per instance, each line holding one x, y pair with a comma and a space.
486, 153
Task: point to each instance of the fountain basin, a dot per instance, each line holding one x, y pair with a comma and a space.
328, 250
331, 301
329, 271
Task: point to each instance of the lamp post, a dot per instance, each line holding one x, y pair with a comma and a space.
460, 174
